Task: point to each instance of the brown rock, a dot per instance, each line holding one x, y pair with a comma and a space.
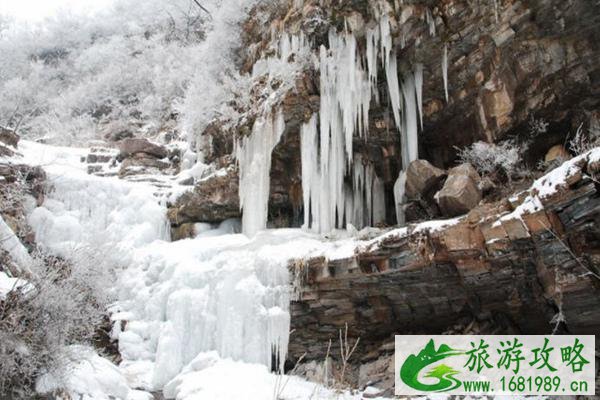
214, 199
129, 147
183, 231
459, 195
137, 165
421, 178
557, 152
467, 170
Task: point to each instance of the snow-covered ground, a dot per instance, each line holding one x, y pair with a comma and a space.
202, 315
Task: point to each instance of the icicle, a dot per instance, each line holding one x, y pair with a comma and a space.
372, 50
391, 72
348, 84
445, 70
385, 38
419, 90
369, 177
430, 21
399, 190
378, 201
254, 160
310, 166
410, 145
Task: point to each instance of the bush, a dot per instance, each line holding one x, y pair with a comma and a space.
582, 143
62, 305
490, 157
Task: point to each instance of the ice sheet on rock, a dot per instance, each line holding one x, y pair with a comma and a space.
81, 209
10, 243
228, 294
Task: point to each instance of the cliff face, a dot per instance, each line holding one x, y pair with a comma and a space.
521, 70
530, 265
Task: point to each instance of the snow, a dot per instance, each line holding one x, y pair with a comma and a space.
89, 377
200, 313
549, 183
212, 378
8, 284
436, 225
87, 209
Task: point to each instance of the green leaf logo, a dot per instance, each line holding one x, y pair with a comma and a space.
413, 365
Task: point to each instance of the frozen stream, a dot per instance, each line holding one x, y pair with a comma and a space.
200, 313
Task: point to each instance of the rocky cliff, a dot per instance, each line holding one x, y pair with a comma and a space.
491, 71
529, 264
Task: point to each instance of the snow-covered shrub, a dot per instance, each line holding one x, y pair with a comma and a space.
582, 143
61, 305
66, 79
490, 157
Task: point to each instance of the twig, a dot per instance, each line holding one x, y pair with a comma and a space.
346, 352
203, 8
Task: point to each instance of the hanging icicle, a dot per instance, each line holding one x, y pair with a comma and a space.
254, 160
445, 70
399, 200
348, 85
419, 90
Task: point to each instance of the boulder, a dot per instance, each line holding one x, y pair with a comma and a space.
141, 164
461, 192
422, 178
557, 152
466, 169
183, 231
9, 137
132, 146
214, 199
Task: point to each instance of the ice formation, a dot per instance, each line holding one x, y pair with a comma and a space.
399, 190
253, 152
338, 188
254, 160
348, 85
227, 294
445, 70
